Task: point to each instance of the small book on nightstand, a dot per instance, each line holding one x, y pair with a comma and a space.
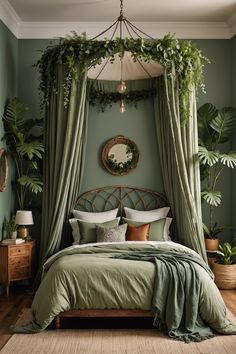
12, 241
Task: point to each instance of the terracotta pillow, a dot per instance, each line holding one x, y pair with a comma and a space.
139, 233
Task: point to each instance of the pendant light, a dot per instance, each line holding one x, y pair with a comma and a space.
131, 29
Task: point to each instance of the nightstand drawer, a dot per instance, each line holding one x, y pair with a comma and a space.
19, 262
19, 273
18, 250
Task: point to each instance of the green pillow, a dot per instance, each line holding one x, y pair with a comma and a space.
156, 232
88, 229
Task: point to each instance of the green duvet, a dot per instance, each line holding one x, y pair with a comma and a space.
94, 277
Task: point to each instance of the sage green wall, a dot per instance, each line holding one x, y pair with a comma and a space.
218, 92
8, 89
233, 97
138, 124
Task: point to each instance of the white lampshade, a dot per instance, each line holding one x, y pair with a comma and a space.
24, 217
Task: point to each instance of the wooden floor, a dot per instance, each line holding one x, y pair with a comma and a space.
11, 306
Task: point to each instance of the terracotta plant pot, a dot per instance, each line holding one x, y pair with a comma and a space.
225, 276
212, 244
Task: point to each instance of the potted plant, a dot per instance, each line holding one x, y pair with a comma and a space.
25, 149
215, 128
10, 227
211, 236
224, 268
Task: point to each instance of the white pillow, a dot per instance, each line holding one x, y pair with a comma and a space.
75, 228
166, 230
146, 215
95, 217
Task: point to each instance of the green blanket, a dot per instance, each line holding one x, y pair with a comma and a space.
176, 293
89, 277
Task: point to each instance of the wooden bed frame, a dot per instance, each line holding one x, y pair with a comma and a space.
103, 199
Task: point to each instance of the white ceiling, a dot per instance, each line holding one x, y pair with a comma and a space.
186, 18
136, 10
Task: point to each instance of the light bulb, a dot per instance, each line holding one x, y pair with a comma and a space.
121, 88
122, 106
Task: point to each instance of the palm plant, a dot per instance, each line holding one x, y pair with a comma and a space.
25, 149
215, 128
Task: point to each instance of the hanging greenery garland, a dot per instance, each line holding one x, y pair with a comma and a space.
181, 60
102, 98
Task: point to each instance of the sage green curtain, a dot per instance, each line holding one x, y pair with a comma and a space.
65, 142
178, 148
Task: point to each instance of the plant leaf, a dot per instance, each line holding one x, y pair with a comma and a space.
31, 149
207, 157
212, 197
229, 159
224, 123
205, 114
33, 183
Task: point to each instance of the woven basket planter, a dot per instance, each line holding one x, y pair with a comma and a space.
225, 276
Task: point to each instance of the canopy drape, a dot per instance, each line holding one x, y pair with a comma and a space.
65, 142
178, 146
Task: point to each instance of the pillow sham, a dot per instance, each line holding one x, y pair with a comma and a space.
139, 233
75, 230
107, 234
146, 215
167, 229
88, 229
95, 217
156, 232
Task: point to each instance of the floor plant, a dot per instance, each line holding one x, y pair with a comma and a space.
25, 149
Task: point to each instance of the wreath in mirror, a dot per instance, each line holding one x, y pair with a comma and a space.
3, 170
120, 155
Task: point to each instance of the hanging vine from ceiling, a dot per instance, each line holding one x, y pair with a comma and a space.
102, 98
180, 59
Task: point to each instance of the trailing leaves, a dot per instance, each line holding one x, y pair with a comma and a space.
181, 60
103, 98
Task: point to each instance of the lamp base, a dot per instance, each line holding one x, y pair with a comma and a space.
23, 232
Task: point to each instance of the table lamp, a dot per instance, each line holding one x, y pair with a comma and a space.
23, 218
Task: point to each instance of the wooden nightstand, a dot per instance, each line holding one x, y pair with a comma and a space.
16, 262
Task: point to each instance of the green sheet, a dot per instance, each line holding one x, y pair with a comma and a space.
88, 277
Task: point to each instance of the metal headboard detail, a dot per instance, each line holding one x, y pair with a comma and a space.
106, 198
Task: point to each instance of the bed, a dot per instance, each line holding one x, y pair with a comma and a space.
119, 279
106, 198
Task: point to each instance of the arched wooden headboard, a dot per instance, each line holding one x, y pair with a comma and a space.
106, 198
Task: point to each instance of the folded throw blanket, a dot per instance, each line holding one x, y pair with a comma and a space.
176, 293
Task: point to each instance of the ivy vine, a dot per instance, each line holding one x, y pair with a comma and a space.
103, 98
182, 61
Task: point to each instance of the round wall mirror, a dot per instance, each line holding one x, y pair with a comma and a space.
120, 155
3, 170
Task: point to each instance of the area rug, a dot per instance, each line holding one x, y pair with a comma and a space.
111, 341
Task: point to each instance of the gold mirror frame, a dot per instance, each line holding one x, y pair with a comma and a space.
3, 170
120, 168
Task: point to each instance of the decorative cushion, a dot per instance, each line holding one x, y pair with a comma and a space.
157, 228
146, 215
95, 217
107, 234
88, 229
139, 233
